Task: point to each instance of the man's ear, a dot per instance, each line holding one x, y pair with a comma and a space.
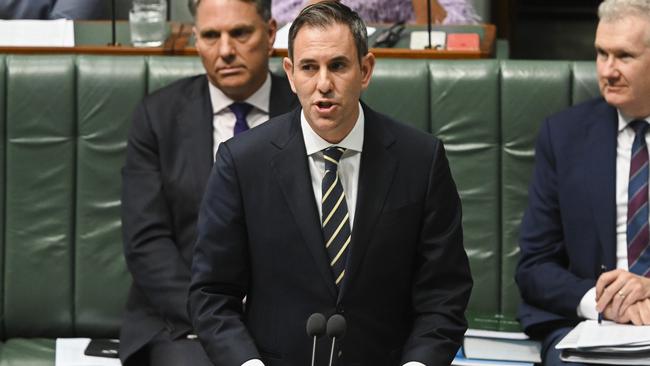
367, 66
273, 31
287, 65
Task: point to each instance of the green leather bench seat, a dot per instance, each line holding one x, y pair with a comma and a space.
63, 127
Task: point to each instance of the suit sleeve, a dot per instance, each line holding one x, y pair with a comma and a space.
221, 268
442, 282
543, 274
152, 256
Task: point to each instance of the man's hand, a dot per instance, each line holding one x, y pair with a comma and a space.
620, 289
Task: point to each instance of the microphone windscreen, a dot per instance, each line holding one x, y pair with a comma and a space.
316, 325
336, 326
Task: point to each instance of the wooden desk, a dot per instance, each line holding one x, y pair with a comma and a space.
487, 33
93, 37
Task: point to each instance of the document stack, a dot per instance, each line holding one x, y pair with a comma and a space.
607, 343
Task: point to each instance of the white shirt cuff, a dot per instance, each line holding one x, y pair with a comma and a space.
253, 362
587, 306
414, 363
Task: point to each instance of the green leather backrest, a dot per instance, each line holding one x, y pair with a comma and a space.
465, 116
40, 195
163, 70
530, 91
398, 88
107, 90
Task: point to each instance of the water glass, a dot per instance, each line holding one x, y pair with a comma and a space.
147, 20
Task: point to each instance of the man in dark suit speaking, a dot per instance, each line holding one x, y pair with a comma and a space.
171, 147
332, 208
588, 200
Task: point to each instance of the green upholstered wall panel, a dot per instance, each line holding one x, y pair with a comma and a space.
585, 82
464, 114
32, 352
3, 95
163, 70
399, 88
530, 91
39, 190
108, 90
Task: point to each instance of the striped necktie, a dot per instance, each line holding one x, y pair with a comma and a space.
336, 218
638, 255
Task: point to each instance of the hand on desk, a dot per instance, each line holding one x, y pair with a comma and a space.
618, 291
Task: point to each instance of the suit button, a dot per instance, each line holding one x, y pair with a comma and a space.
340, 353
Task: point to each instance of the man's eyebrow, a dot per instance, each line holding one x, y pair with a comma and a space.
341, 58
306, 61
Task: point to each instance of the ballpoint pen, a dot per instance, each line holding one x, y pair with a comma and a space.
600, 313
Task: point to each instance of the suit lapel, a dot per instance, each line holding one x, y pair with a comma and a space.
600, 177
378, 167
196, 119
291, 168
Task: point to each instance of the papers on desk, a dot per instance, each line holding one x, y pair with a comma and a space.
420, 40
37, 33
282, 36
70, 352
607, 343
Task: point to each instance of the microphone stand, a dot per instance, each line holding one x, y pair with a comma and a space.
429, 24
113, 40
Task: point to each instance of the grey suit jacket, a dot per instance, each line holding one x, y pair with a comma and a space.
168, 161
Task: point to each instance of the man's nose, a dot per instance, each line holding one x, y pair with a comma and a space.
324, 81
610, 67
226, 48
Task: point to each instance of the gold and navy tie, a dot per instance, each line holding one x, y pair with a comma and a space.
336, 218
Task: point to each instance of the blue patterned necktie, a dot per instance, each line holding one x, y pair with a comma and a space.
638, 255
240, 109
336, 218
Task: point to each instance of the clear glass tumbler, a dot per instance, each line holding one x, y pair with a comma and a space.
148, 22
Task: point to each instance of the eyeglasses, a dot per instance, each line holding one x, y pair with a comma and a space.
389, 37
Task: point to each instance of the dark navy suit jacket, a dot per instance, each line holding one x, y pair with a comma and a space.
168, 160
407, 277
568, 230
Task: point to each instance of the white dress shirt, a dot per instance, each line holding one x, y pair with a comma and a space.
348, 171
223, 122
624, 140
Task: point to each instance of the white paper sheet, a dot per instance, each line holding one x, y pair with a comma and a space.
591, 334
282, 36
70, 352
419, 40
612, 334
37, 33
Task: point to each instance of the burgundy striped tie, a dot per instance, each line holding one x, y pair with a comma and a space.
638, 233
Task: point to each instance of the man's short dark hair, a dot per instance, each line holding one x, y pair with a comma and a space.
327, 13
263, 7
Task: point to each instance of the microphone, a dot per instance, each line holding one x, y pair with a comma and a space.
113, 40
335, 329
429, 24
315, 329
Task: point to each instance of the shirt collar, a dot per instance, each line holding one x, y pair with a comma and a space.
314, 143
260, 99
623, 121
